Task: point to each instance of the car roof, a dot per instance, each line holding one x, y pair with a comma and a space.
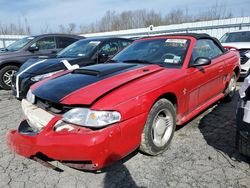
238, 31
59, 35
197, 36
102, 39
194, 35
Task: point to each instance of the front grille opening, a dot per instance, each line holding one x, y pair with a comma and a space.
26, 129
54, 108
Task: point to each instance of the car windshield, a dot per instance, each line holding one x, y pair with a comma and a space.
243, 36
19, 44
162, 51
82, 48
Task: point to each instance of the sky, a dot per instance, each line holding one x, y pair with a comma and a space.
52, 13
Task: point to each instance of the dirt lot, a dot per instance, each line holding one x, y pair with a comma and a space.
202, 154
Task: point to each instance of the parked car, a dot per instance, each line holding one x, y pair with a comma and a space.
81, 53
243, 119
239, 40
12, 57
88, 118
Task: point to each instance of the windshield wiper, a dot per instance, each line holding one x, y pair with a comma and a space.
137, 61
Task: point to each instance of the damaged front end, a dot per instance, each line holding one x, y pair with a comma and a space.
44, 137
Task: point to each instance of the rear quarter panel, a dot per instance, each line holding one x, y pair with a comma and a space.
232, 62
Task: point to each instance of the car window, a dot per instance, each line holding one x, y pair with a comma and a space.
81, 48
45, 43
205, 48
243, 36
19, 44
125, 43
169, 52
63, 42
110, 48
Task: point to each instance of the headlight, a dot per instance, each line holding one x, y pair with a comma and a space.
42, 76
30, 97
91, 118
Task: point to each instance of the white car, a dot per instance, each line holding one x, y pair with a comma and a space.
241, 41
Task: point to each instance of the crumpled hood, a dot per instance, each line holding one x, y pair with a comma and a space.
239, 45
44, 65
86, 85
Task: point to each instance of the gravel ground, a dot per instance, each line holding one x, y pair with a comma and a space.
202, 154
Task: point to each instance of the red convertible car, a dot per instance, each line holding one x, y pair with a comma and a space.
90, 117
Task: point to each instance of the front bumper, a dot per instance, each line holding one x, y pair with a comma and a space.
89, 149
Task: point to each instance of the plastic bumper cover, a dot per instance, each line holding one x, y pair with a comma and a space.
100, 147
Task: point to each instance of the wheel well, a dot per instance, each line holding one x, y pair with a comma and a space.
10, 63
171, 97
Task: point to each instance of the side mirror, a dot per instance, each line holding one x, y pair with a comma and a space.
33, 48
201, 61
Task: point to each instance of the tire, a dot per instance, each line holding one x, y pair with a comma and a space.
160, 125
5, 76
231, 88
242, 144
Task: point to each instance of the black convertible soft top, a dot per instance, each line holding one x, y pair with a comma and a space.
196, 36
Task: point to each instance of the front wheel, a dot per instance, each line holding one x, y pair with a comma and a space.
6, 74
159, 128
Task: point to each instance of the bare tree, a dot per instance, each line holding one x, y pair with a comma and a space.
112, 20
20, 28
70, 28
46, 28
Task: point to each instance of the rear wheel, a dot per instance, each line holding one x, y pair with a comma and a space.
159, 128
231, 88
6, 74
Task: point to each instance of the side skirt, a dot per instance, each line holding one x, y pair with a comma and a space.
192, 114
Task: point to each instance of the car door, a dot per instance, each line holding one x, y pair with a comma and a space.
45, 45
205, 82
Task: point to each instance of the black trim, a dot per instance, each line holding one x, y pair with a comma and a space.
197, 36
